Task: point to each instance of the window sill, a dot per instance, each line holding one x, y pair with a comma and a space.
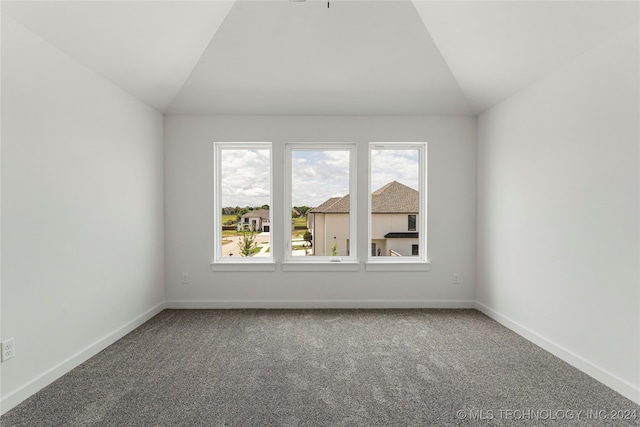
242, 265
323, 265
397, 265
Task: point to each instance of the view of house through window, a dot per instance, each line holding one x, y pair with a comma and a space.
320, 204
244, 182
395, 174
320, 209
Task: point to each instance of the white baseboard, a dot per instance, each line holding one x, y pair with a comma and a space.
291, 304
621, 386
46, 378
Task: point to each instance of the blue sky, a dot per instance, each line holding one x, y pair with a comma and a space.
317, 175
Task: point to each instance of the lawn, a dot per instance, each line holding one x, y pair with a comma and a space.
229, 233
226, 218
297, 234
300, 222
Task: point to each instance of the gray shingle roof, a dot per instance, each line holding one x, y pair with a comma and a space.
393, 197
326, 205
257, 213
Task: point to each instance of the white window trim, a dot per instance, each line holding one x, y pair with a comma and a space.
219, 263
322, 263
387, 263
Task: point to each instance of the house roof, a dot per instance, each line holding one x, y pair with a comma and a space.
333, 205
257, 213
393, 197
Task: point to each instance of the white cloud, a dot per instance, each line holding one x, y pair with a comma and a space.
394, 165
318, 175
245, 177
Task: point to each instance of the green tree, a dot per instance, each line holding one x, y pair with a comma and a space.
302, 209
307, 236
248, 245
240, 212
334, 249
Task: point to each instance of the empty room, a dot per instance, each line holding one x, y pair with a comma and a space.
320, 213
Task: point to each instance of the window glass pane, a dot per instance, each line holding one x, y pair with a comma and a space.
320, 201
412, 223
395, 201
245, 197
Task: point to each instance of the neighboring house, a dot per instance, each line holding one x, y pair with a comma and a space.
394, 209
256, 220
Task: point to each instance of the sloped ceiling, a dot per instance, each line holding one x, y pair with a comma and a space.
148, 48
304, 58
495, 49
356, 57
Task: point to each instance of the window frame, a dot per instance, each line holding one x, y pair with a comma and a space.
218, 262
411, 263
322, 263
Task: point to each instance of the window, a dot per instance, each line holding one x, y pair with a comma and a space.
242, 205
320, 182
411, 223
318, 216
397, 199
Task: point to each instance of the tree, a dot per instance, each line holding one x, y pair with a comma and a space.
307, 237
334, 249
240, 212
302, 209
247, 244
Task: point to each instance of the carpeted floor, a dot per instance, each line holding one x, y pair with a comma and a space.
324, 368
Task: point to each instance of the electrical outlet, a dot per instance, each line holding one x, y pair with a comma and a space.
456, 279
185, 278
8, 349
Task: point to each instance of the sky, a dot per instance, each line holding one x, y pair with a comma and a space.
395, 165
317, 175
245, 177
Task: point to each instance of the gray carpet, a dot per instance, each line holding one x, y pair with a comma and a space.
323, 368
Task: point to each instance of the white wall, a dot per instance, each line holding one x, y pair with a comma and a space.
558, 213
82, 212
189, 214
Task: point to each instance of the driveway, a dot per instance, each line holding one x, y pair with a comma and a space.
231, 248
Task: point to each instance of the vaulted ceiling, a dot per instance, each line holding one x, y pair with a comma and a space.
355, 57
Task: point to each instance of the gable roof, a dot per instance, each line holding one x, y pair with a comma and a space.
257, 213
393, 197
